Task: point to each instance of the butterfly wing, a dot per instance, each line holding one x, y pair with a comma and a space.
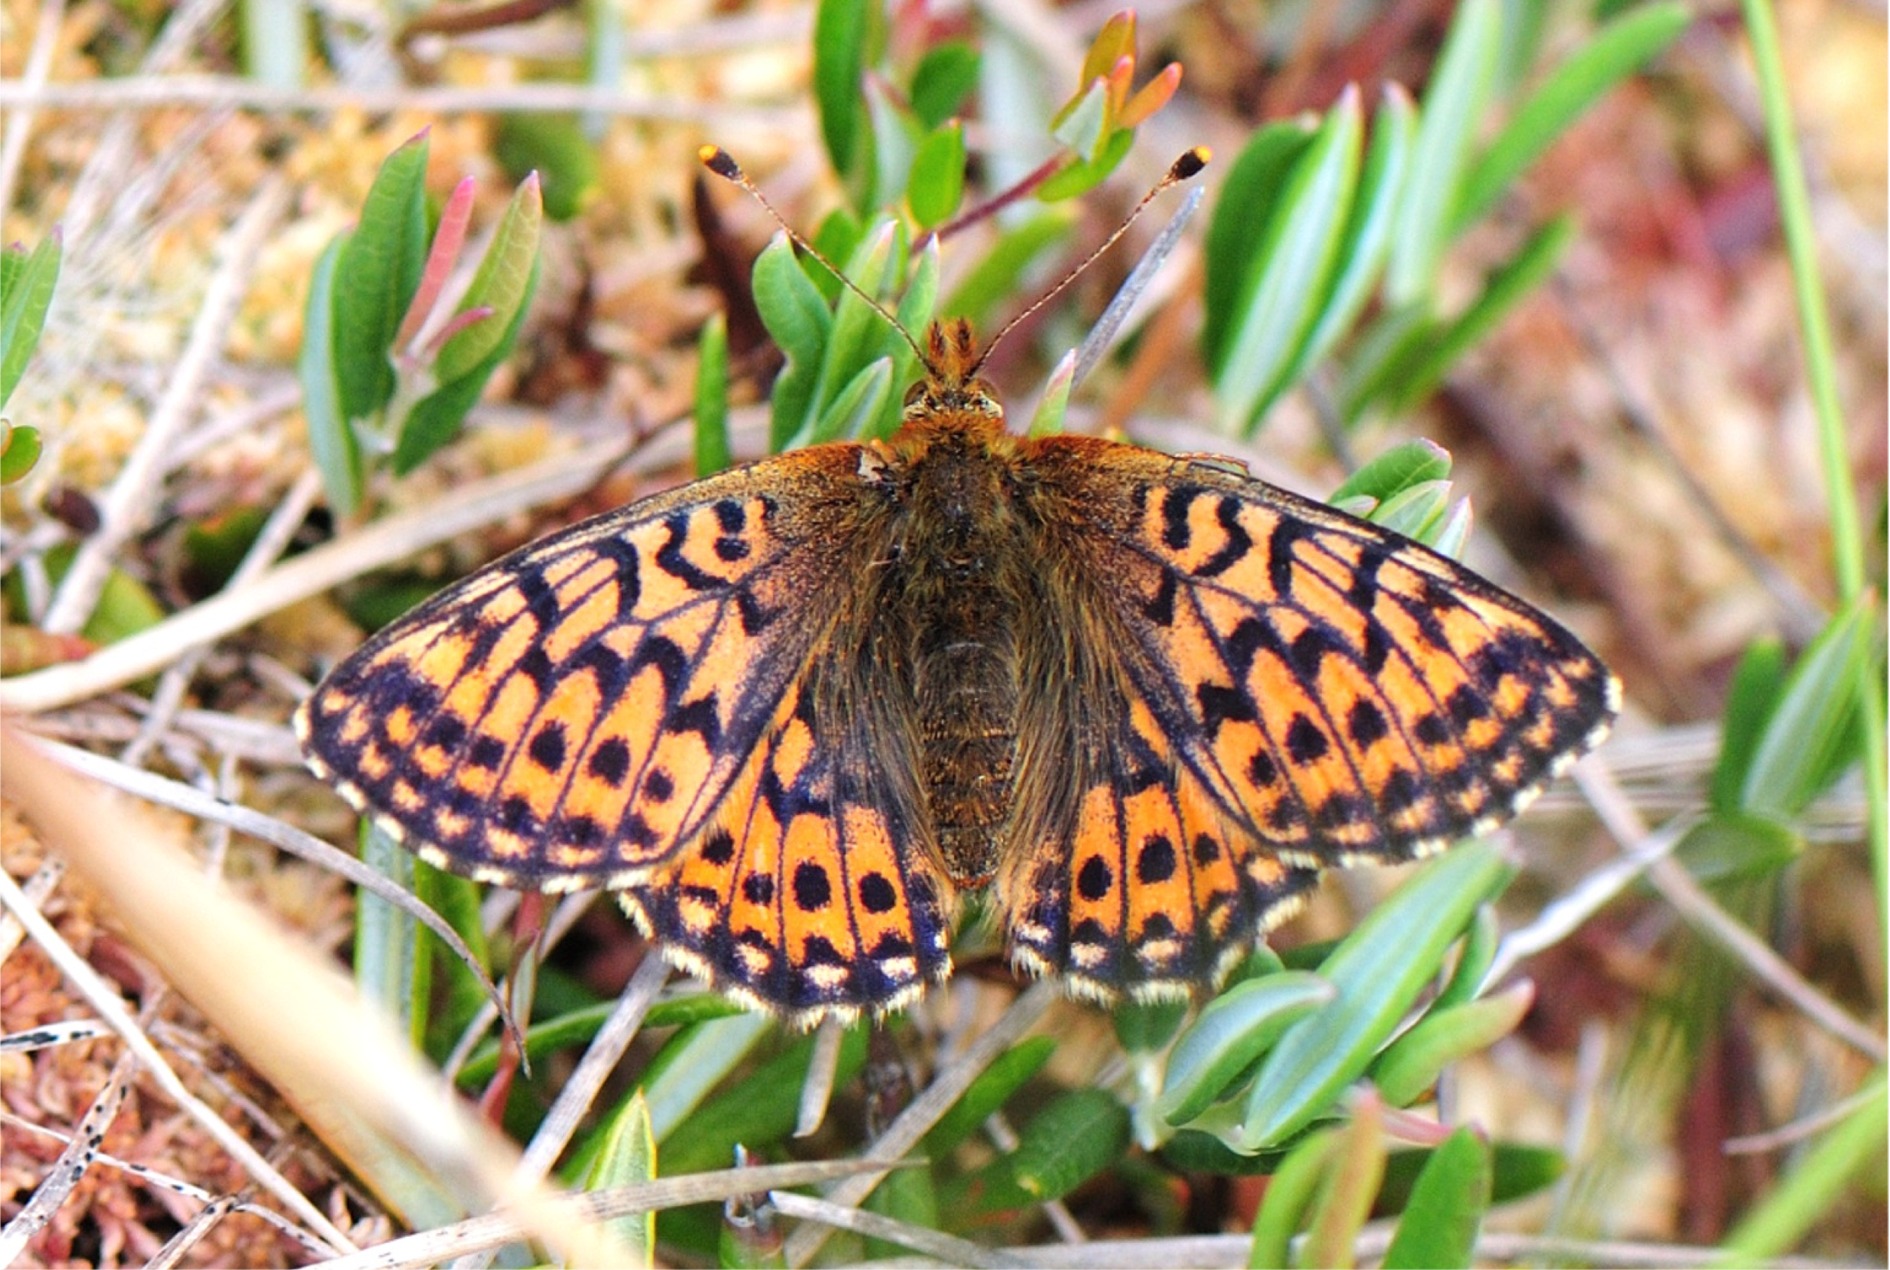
818, 890
1313, 689
574, 713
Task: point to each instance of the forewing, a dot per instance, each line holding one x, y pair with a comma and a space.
817, 892
1343, 692
573, 713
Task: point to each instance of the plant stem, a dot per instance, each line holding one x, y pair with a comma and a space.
1846, 530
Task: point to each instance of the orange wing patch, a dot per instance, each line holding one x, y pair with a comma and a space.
570, 715
813, 893
1150, 887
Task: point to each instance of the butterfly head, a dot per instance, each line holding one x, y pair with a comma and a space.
951, 384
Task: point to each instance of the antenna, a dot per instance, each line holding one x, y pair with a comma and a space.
1182, 169
718, 161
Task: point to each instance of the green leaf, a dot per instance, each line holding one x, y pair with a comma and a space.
1414, 512
944, 78
1347, 1190
1812, 735
859, 333
1820, 1177
1143, 1027
711, 413
1366, 242
1047, 418
1503, 291
376, 275
1283, 1206
503, 283
863, 399
796, 315
1475, 955
1729, 845
1392, 344
1518, 1171
1076, 1136
937, 180
1445, 1213
1447, 125
1610, 55
1757, 683
578, 1026
991, 1090
1411, 1064
388, 967
841, 29
1233, 1030
907, 1195
1378, 971
27, 282
1079, 126
993, 279
19, 450
1246, 204
693, 1063
1403, 466
626, 1154
1277, 307
436, 417
1086, 174
758, 1111
555, 147
331, 437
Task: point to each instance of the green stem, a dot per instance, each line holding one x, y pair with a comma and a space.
1847, 537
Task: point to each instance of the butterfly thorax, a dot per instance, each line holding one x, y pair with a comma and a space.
959, 582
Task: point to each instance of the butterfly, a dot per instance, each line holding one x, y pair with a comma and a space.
796, 711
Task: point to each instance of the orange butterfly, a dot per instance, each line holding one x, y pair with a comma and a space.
795, 710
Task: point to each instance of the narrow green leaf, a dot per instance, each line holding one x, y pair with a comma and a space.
1447, 125
859, 331
1411, 1064
758, 1111
1820, 1177
1517, 1170
1086, 174
993, 279
25, 298
907, 1195
1347, 1190
1382, 357
1811, 736
1613, 53
796, 315
711, 413
840, 38
693, 1063
19, 450
1079, 126
1445, 1213
1413, 512
376, 275
862, 400
1283, 1207
1409, 463
943, 79
331, 438
1279, 307
556, 149
626, 1154
1366, 242
1144, 1027
1243, 212
1233, 1030
578, 1026
991, 1090
387, 964
1729, 845
1474, 956
1047, 418
503, 283
1757, 683
435, 418
1378, 971
937, 180
1505, 289
1077, 1135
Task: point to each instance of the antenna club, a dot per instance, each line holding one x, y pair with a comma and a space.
718, 161
1190, 164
